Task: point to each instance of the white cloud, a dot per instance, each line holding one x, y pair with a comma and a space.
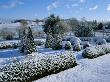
94, 8
52, 6
12, 4
108, 8
72, 5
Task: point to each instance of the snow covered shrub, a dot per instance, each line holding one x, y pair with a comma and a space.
76, 47
75, 41
18, 72
95, 51
86, 44
99, 41
37, 67
5, 45
57, 42
49, 40
68, 45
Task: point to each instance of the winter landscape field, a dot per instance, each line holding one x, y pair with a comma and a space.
54, 41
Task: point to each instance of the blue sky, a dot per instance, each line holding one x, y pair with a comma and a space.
31, 9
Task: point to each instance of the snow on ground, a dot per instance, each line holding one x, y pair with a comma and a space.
88, 70
8, 56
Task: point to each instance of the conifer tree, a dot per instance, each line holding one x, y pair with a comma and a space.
49, 40
30, 44
22, 42
57, 42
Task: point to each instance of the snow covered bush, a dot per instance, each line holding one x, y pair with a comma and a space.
68, 45
57, 42
75, 41
99, 41
76, 47
86, 44
37, 67
5, 45
95, 51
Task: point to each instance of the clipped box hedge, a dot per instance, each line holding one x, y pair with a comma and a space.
35, 69
95, 51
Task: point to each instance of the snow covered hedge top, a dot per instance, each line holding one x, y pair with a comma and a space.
95, 51
5, 45
15, 44
36, 67
72, 39
99, 40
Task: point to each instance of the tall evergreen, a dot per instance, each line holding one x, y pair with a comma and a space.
49, 40
30, 44
22, 42
54, 28
57, 42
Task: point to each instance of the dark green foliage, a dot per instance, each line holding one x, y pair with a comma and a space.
73, 22
49, 40
84, 31
68, 46
100, 26
27, 44
54, 26
76, 47
23, 40
50, 24
30, 44
9, 37
57, 42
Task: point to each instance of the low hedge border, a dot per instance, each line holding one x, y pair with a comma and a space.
38, 68
95, 51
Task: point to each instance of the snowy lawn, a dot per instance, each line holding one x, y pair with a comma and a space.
88, 70
7, 56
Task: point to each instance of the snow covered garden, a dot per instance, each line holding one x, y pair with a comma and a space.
59, 57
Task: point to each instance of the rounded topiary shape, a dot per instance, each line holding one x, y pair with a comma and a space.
76, 47
75, 41
87, 44
68, 45
100, 41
